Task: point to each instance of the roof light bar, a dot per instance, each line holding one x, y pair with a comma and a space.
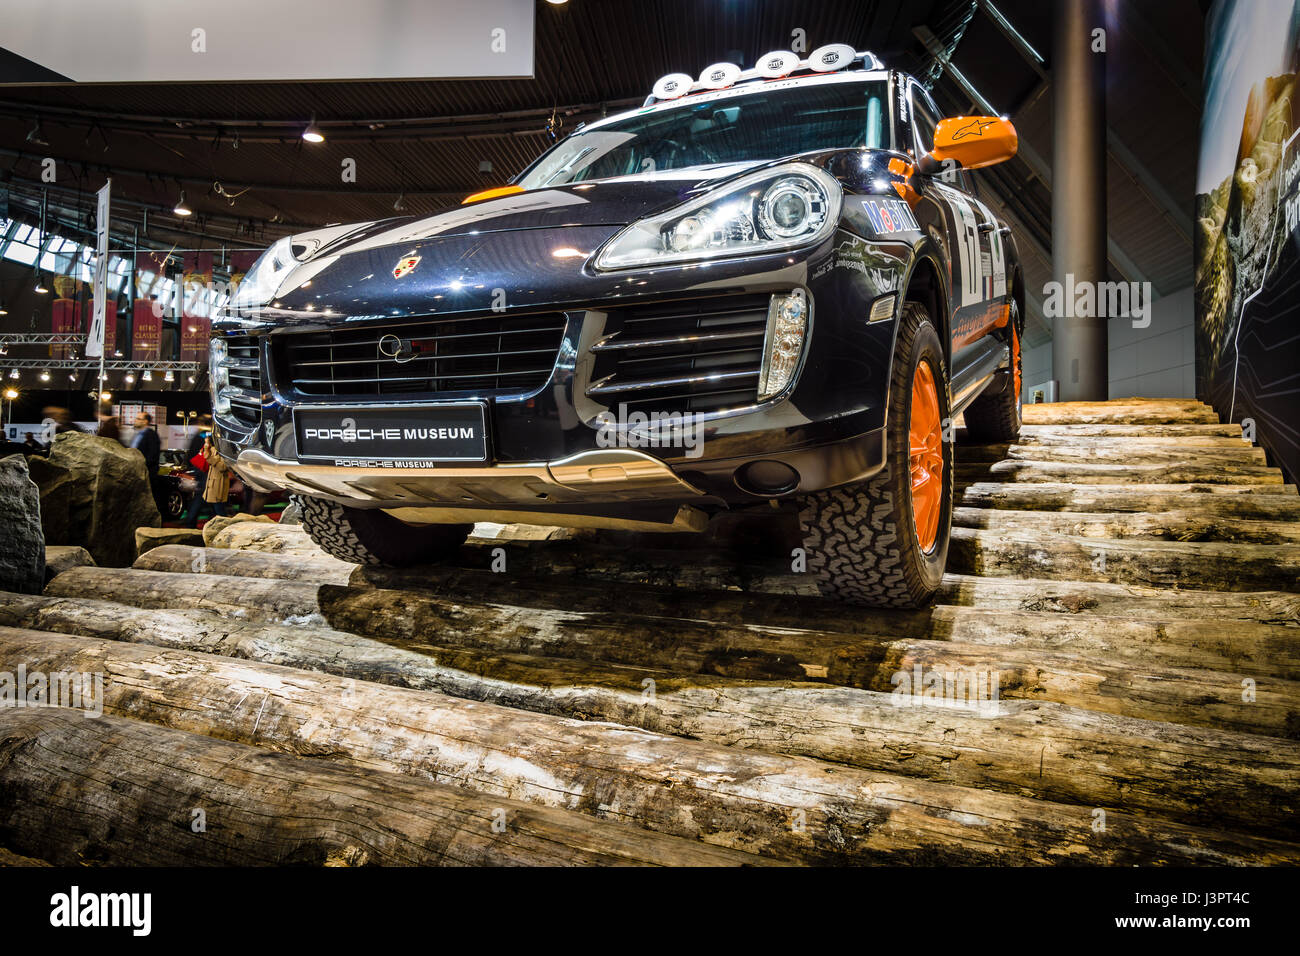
771, 66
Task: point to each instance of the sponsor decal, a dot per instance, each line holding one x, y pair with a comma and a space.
889, 216
405, 265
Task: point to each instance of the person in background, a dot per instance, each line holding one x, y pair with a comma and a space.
147, 442
108, 428
195, 451
217, 488
33, 446
62, 419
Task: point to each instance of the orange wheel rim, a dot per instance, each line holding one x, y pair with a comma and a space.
1015, 359
925, 439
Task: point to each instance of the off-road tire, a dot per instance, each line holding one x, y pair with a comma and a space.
861, 540
995, 416
362, 536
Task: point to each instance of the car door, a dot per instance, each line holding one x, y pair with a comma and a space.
977, 258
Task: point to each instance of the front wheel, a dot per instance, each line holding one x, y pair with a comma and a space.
364, 536
884, 543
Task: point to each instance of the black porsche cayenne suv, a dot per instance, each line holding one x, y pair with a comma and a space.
768, 284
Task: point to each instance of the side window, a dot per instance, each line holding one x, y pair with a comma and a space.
923, 123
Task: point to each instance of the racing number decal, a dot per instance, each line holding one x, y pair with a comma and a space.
968, 248
998, 255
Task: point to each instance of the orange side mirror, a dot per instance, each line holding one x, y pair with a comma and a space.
492, 193
974, 141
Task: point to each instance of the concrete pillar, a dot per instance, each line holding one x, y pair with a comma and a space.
1078, 196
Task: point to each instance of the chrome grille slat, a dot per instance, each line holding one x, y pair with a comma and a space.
497, 353
245, 391
689, 355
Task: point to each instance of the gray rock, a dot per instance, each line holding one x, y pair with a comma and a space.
56, 494
110, 496
22, 542
291, 514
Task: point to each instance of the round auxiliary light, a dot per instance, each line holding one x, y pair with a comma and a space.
791, 207
832, 56
778, 63
672, 86
719, 76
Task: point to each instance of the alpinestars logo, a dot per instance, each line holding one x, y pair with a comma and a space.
973, 128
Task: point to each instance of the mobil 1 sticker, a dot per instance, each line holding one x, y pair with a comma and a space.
401, 437
889, 216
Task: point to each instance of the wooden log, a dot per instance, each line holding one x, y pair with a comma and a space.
1104, 450
1135, 411
1251, 502
250, 564
238, 597
1119, 430
725, 645
1031, 748
774, 610
270, 537
123, 792
1107, 473
787, 808
1004, 641
1161, 525
1203, 564
1185, 696
1122, 600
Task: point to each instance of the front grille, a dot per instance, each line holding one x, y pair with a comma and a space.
495, 354
699, 355
245, 378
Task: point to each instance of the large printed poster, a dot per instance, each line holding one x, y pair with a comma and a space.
1248, 223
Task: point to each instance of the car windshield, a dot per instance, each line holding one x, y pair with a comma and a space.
747, 127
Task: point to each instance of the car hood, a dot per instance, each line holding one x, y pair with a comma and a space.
528, 247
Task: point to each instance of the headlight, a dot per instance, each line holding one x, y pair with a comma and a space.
263, 280
770, 211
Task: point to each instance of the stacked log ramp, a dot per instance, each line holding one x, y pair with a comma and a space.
1124, 578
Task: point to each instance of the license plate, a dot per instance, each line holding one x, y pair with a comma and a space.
416, 437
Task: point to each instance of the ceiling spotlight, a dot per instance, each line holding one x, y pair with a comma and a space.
14, 373
191, 379
45, 375
72, 376
312, 133
40, 286
34, 137
557, 3
3, 310
181, 209
130, 378
169, 377
400, 205
146, 376
105, 396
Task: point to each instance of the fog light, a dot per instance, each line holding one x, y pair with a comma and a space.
787, 327
882, 308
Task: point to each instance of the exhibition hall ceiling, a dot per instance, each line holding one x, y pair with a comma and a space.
237, 150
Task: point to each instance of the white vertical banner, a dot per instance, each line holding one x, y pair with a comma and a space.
95, 334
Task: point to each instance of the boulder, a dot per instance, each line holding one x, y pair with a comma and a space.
61, 557
146, 539
55, 484
214, 526
110, 496
22, 542
291, 514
